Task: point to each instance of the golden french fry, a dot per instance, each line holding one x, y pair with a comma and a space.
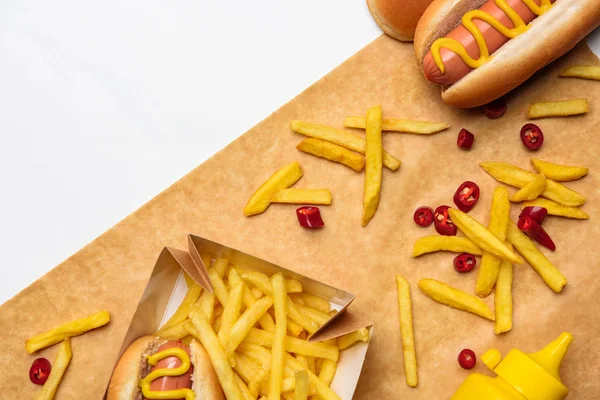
481, 236
59, 367
323, 390
293, 286
263, 357
278, 347
309, 300
219, 288
302, 196
174, 332
301, 385
202, 331
319, 317
557, 172
530, 191
250, 371
220, 266
243, 325
327, 372
332, 152
399, 125
295, 315
266, 321
503, 298
347, 340
447, 295
563, 108
342, 138
455, 244
282, 179
231, 313
406, 331
490, 264
262, 282
538, 261
293, 329
206, 303
181, 314
257, 293
582, 71
247, 395
515, 176
294, 345
374, 166
69, 329
557, 209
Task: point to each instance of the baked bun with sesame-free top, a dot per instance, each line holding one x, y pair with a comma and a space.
398, 18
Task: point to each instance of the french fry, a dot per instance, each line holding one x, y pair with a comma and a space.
67, 330
309, 300
327, 372
231, 313
262, 282
181, 314
349, 339
59, 367
312, 364
557, 172
557, 209
332, 152
563, 108
538, 261
278, 347
295, 315
247, 395
374, 166
455, 298
293, 286
582, 71
301, 385
406, 331
515, 176
323, 390
220, 266
342, 138
399, 125
490, 264
530, 191
294, 345
217, 324
250, 371
282, 179
219, 288
302, 196
316, 315
206, 303
266, 322
203, 332
257, 292
503, 299
319, 363
174, 332
293, 328
455, 244
481, 236
263, 357
248, 319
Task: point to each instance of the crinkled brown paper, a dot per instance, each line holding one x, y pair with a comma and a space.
112, 271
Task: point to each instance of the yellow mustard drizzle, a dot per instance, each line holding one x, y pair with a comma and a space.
467, 20
187, 394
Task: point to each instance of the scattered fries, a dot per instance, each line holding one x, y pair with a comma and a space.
373, 169
562, 108
482, 236
503, 299
531, 191
70, 329
406, 331
332, 152
301, 196
538, 261
455, 244
559, 173
455, 298
399, 125
59, 367
582, 71
282, 179
557, 209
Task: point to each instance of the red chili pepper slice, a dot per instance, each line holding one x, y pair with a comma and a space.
442, 222
423, 216
536, 232
40, 371
309, 217
532, 136
538, 214
465, 139
495, 109
466, 196
467, 359
464, 262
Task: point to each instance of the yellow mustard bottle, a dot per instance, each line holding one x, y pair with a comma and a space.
520, 376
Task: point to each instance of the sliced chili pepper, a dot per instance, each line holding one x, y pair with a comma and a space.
464, 262
536, 232
40, 371
466, 196
495, 109
423, 216
442, 222
532, 136
309, 217
538, 214
467, 359
465, 139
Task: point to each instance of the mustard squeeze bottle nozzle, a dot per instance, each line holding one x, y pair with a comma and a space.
520, 376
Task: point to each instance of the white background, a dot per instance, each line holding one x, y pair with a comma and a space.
105, 104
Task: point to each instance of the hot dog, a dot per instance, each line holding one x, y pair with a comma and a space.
135, 378
516, 38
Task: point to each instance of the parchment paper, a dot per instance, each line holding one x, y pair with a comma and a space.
112, 272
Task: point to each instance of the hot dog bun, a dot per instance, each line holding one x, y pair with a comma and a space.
132, 366
550, 36
398, 18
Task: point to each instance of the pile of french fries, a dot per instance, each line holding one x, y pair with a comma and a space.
255, 329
